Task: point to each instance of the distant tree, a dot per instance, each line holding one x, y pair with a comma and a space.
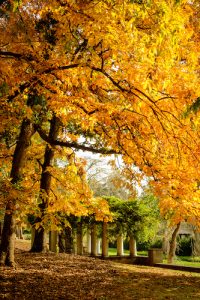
134, 218
105, 179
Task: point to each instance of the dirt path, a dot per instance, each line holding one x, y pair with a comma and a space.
62, 276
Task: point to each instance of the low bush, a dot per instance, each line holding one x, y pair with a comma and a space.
184, 246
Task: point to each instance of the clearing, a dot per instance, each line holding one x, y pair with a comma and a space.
62, 276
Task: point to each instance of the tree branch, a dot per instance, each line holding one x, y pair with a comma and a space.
11, 54
35, 78
73, 144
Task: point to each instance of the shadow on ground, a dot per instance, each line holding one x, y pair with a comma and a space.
61, 276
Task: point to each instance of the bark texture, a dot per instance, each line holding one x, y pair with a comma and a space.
65, 241
39, 243
104, 239
19, 159
196, 242
172, 245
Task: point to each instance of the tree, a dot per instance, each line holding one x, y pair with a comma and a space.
120, 97
8, 232
105, 179
45, 187
134, 218
172, 244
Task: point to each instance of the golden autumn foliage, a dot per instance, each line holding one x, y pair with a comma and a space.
119, 75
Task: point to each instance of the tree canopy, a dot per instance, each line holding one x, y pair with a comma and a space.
118, 75
134, 218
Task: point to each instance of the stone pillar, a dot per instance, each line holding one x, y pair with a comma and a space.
88, 242
79, 239
19, 232
98, 246
104, 239
120, 245
132, 247
53, 240
94, 240
155, 256
74, 241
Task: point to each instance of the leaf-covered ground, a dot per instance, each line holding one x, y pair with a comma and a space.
62, 276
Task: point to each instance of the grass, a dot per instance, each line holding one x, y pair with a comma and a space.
188, 261
191, 258
113, 251
180, 262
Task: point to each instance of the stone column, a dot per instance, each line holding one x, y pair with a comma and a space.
94, 240
88, 242
79, 238
132, 247
74, 241
19, 232
98, 246
155, 256
120, 245
53, 240
104, 239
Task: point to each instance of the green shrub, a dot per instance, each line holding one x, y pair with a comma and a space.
149, 244
27, 236
156, 244
184, 246
26, 231
143, 246
193, 259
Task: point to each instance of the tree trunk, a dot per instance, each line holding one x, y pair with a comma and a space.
104, 239
53, 240
172, 244
94, 239
61, 244
65, 241
79, 238
166, 238
39, 244
0, 229
196, 243
8, 237
8, 232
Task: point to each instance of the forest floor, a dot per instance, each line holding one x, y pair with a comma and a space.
54, 276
